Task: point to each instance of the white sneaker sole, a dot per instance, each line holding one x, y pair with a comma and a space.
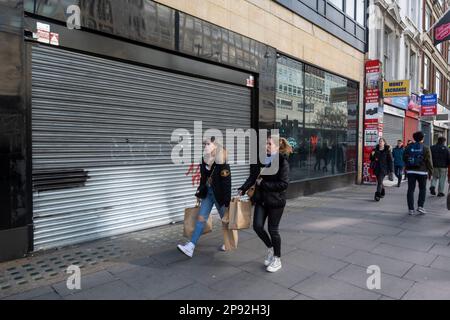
267, 263
272, 270
187, 253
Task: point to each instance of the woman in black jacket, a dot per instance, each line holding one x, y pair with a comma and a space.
382, 165
214, 190
270, 198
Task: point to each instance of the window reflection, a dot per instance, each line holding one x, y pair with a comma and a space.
317, 112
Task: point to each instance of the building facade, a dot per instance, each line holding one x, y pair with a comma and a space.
399, 37
89, 112
395, 40
435, 77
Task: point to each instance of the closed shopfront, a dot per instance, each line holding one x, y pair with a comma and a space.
101, 132
393, 121
438, 132
426, 129
411, 125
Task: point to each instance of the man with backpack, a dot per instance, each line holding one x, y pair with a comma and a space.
441, 161
419, 165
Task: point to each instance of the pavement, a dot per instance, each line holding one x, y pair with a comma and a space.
328, 242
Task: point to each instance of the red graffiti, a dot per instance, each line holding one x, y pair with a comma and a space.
194, 169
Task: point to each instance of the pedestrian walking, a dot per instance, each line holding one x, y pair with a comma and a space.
406, 173
441, 160
399, 164
382, 165
270, 198
419, 165
214, 190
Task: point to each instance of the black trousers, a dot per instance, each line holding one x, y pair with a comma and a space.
413, 179
380, 179
398, 173
273, 215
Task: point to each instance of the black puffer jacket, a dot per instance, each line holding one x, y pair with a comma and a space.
220, 183
272, 190
440, 155
382, 161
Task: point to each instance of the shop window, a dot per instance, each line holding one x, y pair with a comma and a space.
322, 126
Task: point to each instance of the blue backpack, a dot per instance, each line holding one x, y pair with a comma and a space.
415, 156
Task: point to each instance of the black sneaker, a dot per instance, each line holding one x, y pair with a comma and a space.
440, 194
377, 196
433, 191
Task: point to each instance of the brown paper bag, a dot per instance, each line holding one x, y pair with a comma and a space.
240, 216
190, 220
230, 238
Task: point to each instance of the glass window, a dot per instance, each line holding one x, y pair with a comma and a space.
320, 121
427, 18
448, 92
426, 73
360, 8
337, 3
438, 84
350, 8
413, 70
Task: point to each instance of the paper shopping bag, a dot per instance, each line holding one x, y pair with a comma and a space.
230, 238
240, 214
190, 220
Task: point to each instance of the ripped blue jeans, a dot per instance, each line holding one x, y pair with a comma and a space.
204, 212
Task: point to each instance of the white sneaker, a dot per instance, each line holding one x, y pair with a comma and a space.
275, 265
222, 248
269, 257
412, 213
421, 210
187, 249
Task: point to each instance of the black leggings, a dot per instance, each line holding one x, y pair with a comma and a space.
274, 217
380, 179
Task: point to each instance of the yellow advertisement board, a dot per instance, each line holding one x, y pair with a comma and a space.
398, 88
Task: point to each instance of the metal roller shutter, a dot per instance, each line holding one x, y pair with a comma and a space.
101, 134
426, 129
393, 129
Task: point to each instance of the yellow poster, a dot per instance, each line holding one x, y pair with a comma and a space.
399, 88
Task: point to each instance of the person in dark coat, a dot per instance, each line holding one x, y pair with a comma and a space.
270, 198
441, 160
214, 190
399, 164
419, 165
382, 165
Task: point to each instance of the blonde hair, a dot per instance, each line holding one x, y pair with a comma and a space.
285, 147
220, 154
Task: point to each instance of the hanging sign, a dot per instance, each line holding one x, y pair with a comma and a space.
428, 104
398, 88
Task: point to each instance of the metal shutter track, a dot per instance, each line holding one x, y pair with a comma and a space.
114, 121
